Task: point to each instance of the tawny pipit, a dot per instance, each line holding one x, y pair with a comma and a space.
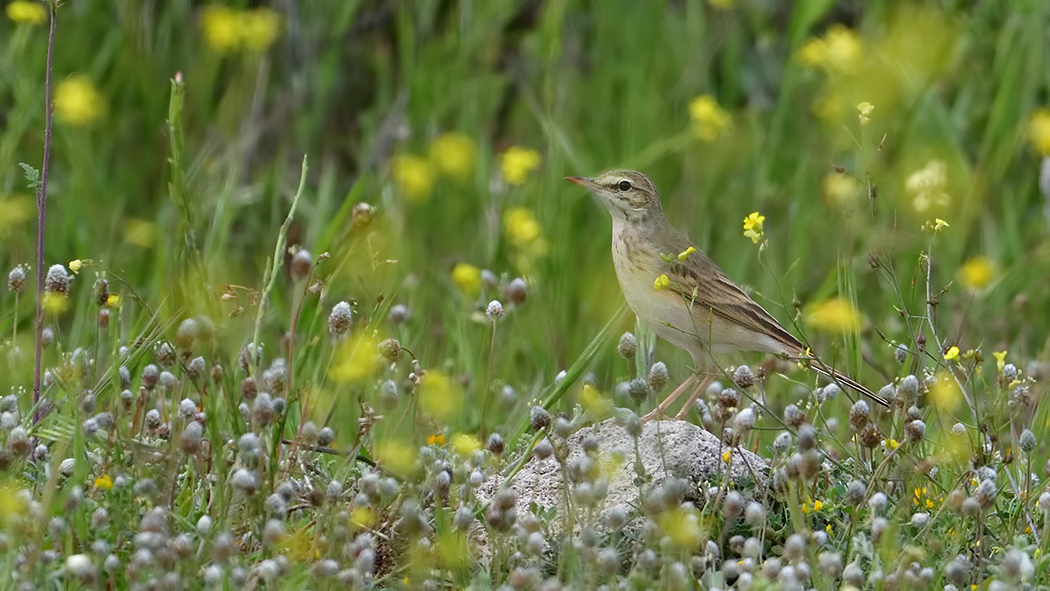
698, 308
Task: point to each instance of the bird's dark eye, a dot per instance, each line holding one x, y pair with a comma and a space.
624, 186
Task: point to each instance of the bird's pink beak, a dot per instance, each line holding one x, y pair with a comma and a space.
582, 181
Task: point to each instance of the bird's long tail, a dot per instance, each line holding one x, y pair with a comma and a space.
837, 376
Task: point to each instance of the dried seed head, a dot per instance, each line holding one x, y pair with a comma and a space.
494, 310
516, 291
165, 354
390, 349
16, 279
743, 377
103, 318
859, 415
249, 390
1027, 441
793, 416
807, 437
57, 280
361, 215
301, 264
340, 319
901, 353
870, 436
539, 418
399, 314
658, 377
627, 346
496, 444
638, 389
915, 430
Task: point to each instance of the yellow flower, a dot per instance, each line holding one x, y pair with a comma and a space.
722, 4
927, 186
440, 396
1039, 131
726, 455
517, 163
465, 444
453, 154
222, 28
104, 482
27, 13
684, 255
977, 273
139, 232
521, 226
395, 455
363, 517
944, 395
952, 354
77, 102
834, 316
113, 301
710, 121
840, 50
259, 28
414, 176
661, 282
467, 277
436, 439
15, 211
597, 406
76, 265
683, 527
891, 444
935, 225
1000, 360
864, 111
842, 190
753, 226
55, 303
356, 359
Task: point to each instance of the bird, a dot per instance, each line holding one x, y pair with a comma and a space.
682, 295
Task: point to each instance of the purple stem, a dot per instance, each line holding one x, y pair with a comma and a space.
41, 208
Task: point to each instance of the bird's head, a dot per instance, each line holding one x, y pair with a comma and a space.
627, 194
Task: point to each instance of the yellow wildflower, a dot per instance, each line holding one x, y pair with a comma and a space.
753, 226
104, 482
684, 255
977, 273
597, 406
952, 353
27, 13
944, 395
661, 282
139, 232
891, 444
55, 303
113, 301
436, 439
467, 277
927, 186
842, 190
259, 28
834, 315
363, 517
1039, 131
440, 396
77, 102
710, 121
521, 226
840, 50
1000, 360
396, 455
222, 28
414, 176
813, 53
356, 359
683, 527
15, 211
75, 265
453, 154
465, 444
935, 225
726, 455
517, 163
864, 112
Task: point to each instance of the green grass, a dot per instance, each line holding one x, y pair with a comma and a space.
210, 166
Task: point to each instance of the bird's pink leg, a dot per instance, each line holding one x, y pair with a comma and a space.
658, 412
692, 398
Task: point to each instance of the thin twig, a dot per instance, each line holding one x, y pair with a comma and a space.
41, 208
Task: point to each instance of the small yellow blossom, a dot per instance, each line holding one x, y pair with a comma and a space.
753, 226
77, 102
935, 225
840, 50
597, 406
726, 455
467, 277
75, 265
440, 396
864, 112
710, 121
927, 186
414, 176
944, 395
661, 282
684, 255
842, 190
683, 527
521, 226
356, 359
104, 482
396, 455
436, 439
811, 508
517, 163
222, 28
722, 4
15, 211
891, 444
113, 301
139, 232
1039, 131
977, 273
453, 154
27, 13
363, 517
55, 303
951, 354
465, 444
260, 27
1000, 360
835, 315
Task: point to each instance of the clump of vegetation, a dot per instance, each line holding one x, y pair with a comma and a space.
256, 373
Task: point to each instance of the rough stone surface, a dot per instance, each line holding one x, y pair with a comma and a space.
677, 449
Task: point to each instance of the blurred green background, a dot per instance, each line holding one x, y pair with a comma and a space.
456, 122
